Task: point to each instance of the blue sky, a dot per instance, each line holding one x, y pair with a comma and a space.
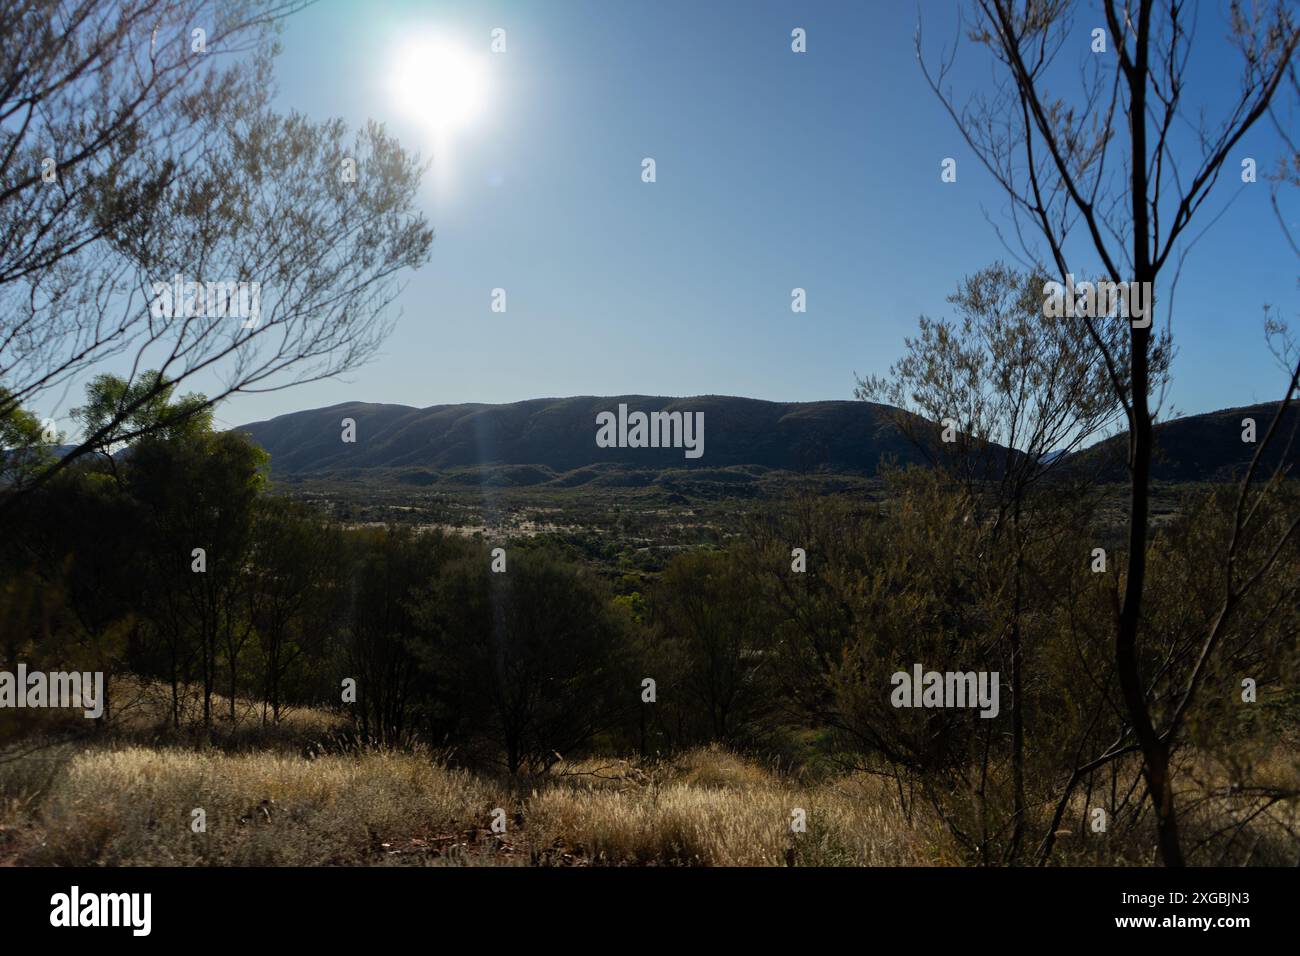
775, 170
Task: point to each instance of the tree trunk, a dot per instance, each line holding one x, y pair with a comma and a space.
1017, 711
1155, 753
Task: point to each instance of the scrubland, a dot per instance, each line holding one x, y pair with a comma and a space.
127, 800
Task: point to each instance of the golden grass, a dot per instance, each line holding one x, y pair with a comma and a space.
140, 709
140, 705
684, 824
712, 807
134, 806
118, 804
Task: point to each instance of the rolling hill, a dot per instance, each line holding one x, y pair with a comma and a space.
1207, 447
552, 441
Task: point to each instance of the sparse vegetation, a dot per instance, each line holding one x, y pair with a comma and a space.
517, 680
129, 803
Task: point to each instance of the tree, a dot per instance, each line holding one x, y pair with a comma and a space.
527, 654
23, 449
182, 225
115, 407
704, 606
1069, 167
77, 541
296, 564
886, 588
106, 102
386, 570
1022, 394
198, 493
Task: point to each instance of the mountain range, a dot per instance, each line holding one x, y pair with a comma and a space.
553, 441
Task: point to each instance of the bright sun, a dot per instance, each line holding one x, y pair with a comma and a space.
438, 84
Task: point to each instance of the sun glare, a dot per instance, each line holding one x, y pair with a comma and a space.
438, 84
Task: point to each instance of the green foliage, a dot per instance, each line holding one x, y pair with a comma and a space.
118, 410
546, 661
23, 449
530, 658
713, 637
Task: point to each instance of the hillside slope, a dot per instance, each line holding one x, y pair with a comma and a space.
1205, 447
558, 436
553, 441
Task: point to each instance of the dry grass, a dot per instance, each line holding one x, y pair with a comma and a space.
116, 803
681, 823
141, 711
712, 807
145, 706
132, 805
